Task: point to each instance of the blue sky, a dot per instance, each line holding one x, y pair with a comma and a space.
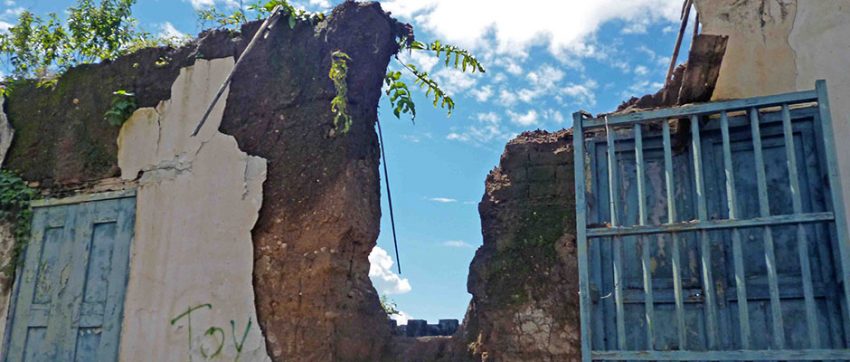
545, 59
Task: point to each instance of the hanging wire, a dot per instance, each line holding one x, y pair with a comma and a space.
389, 194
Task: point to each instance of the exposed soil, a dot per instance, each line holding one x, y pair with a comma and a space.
523, 280
321, 201
321, 206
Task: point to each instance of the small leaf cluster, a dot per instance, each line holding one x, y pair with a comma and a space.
15, 197
452, 56
123, 106
339, 104
399, 95
258, 10
389, 306
92, 32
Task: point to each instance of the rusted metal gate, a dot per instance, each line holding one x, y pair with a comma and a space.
713, 232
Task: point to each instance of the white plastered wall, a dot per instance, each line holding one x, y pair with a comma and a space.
197, 201
778, 46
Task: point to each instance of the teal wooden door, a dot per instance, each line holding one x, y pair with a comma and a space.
69, 296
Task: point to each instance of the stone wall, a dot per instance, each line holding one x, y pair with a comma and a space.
778, 46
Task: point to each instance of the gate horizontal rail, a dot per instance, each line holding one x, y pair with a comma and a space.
614, 231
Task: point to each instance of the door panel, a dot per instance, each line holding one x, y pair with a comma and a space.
69, 300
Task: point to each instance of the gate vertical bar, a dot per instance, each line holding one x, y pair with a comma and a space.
802, 242
614, 203
737, 251
835, 188
581, 236
705, 242
671, 218
649, 303
769, 250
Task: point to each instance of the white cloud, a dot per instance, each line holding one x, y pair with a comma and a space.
637, 26
483, 94
9, 3
324, 4
489, 117
641, 70
401, 318
4, 26
168, 31
582, 94
562, 25
553, 115
381, 272
424, 61
506, 98
457, 244
513, 68
524, 119
442, 200
488, 128
206, 4
454, 81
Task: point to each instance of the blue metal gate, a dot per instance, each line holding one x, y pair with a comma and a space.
69, 294
713, 232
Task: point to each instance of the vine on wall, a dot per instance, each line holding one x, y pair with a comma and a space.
15, 198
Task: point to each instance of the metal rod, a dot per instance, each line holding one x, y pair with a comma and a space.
835, 187
769, 248
802, 241
389, 194
775, 220
649, 304
614, 203
705, 242
613, 180
678, 45
270, 21
739, 355
618, 292
581, 237
700, 109
671, 218
737, 250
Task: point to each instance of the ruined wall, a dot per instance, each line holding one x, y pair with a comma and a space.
778, 46
288, 255
523, 280
197, 200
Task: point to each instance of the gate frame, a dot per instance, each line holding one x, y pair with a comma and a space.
583, 121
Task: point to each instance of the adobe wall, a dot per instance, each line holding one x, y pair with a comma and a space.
249, 225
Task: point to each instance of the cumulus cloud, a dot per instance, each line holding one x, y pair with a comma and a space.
385, 280
581, 93
442, 200
168, 31
401, 318
457, 244
526, 119
4, 26
482, 94
206, 4
487, 128
561, 25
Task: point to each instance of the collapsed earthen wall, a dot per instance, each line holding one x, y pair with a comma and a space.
523, 280
320, 211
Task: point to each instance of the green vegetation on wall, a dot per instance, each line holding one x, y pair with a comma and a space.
123, 106
15, 197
